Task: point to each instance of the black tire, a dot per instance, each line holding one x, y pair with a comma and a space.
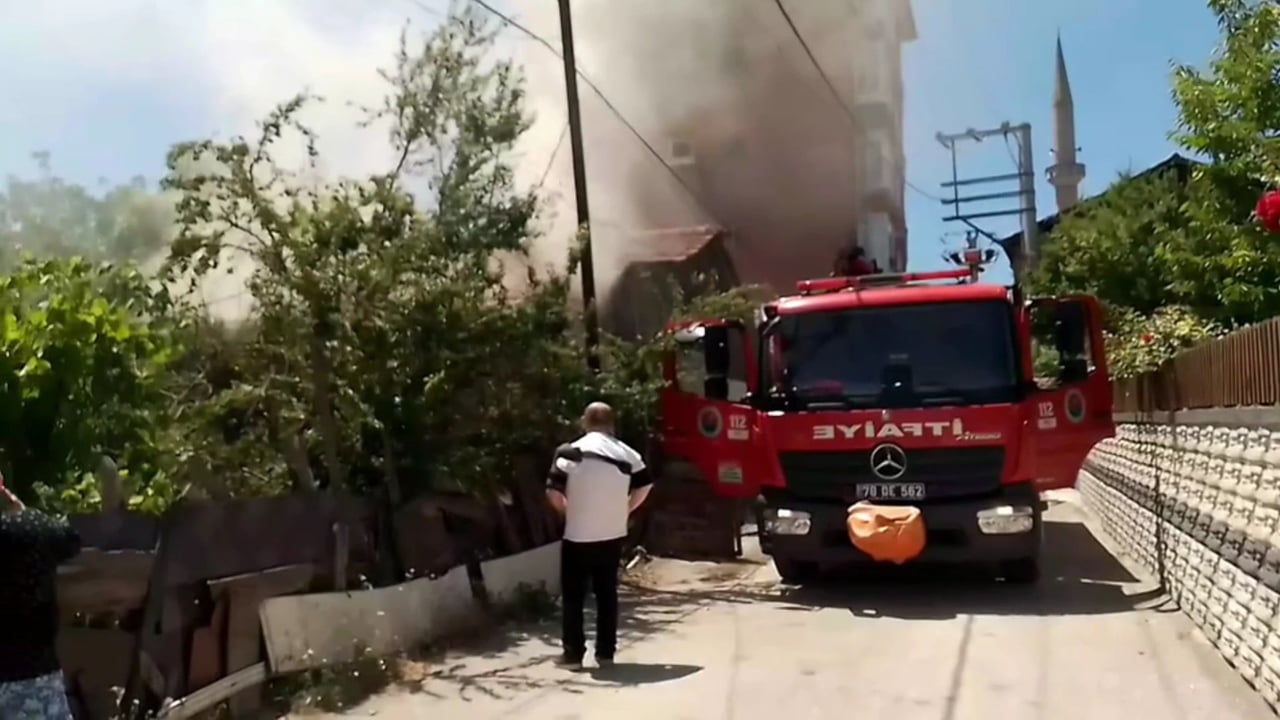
1023, 571
794, 572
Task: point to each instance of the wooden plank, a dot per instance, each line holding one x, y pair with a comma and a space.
243, 646
93, 662
341, 555
209, 697
272, 581
208, 661
117, 530
244, 595
222, 539
104, 582
134, 701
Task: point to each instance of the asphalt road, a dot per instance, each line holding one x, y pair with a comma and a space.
728, 642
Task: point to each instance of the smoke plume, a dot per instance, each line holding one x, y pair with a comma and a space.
725, 93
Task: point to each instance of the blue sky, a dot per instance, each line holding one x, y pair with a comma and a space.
107, 85
981, 62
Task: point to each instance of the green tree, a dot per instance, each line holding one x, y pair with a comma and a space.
1231, 112
1180, 260
84, 350
385, 345
1231, 115
48, 216
1119, 246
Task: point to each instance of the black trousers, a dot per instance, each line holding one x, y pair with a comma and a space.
593, 564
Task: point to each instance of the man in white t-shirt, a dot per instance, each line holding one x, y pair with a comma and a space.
595, 482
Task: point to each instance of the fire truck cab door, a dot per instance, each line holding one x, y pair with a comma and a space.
706, 420
1071, 405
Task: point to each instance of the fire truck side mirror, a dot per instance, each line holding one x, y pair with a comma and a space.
1074, 370
1071, 328
715, 347
716, 387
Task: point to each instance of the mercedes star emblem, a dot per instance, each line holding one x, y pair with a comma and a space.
888, 461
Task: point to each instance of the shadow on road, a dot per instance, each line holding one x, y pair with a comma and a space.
643, 673
1079, 576
517, 660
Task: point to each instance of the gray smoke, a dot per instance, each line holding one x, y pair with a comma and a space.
722, 83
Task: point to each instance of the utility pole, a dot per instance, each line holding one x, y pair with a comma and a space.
580, 187
1026, 192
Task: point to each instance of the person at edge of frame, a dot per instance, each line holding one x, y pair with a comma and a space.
32, 546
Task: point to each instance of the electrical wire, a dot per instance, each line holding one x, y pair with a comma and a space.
551, 161
599, 94
848, 111
1016, 162
849, 114
921, 192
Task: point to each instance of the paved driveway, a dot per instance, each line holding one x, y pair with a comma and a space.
728, 642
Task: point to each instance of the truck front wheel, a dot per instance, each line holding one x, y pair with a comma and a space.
794, 572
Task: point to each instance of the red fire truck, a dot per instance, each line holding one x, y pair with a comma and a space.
910, 389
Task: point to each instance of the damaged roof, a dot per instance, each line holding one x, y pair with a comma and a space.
669, 244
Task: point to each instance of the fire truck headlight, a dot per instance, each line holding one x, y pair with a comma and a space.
1006, 520
783, 521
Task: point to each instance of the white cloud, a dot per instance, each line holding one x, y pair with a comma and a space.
234, 58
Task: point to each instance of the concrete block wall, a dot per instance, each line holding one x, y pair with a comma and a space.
1199, 506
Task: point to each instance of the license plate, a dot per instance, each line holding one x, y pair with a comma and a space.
890, 491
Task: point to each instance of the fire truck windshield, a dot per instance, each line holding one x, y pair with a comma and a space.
956, 353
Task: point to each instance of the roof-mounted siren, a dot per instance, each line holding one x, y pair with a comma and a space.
974, 259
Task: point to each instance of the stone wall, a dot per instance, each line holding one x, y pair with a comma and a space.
1195, 498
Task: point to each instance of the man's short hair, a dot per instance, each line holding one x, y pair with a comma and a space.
597, 416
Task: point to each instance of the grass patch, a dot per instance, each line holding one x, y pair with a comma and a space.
335, 688
528, 604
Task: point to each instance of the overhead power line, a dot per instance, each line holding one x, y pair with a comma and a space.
923, 193
848, 111
555, 151
613, 109
835, 93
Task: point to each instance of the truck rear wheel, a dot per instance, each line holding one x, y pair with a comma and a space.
794, 572
1023, 571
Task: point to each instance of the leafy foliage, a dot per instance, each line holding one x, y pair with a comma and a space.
84, 350
1179, 260
387, 350
48, 216
1231, 113
1139, 344
1119, 246
377, 321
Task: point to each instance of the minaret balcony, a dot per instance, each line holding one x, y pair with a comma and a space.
1065, 174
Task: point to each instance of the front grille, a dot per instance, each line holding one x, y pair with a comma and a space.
947, 473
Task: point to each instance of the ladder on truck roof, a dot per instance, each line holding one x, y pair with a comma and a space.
973, 259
